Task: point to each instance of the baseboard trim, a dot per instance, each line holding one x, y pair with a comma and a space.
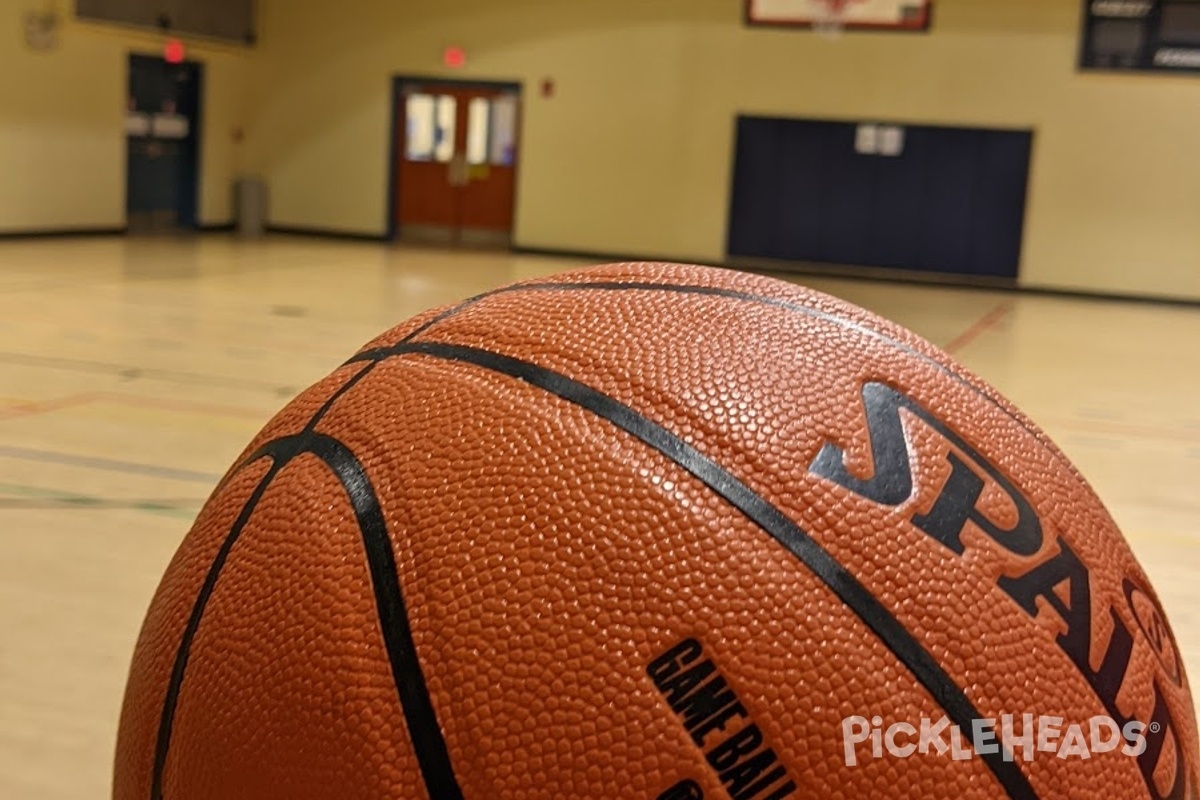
1085, 294
876, 275
949, 281
64, 233
891, 275
82, 233
326, 233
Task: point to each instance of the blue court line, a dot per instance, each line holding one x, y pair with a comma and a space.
108, 465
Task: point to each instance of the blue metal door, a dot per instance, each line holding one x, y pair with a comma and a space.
162, 140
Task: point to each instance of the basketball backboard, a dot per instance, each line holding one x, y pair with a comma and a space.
879, 15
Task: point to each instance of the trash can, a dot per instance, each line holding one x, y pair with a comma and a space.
250, 206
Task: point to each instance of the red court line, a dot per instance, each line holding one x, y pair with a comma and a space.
34, 408
978, 327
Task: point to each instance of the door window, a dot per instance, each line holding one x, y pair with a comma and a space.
503, 130
478, 115
431, 121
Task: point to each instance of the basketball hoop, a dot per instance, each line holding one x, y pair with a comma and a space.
829, 17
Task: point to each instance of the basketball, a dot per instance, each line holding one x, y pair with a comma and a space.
654, 531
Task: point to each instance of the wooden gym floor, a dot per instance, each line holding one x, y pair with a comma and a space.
132, 372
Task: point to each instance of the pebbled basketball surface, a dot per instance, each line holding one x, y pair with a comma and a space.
648, 531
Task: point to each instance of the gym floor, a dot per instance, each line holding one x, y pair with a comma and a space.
133, 371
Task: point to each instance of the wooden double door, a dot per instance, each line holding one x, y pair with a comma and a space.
456, 161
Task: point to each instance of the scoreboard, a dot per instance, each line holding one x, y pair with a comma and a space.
1141, 36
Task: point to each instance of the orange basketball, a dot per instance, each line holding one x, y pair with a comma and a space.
662, 532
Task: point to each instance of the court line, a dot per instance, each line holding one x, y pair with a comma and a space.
978, 327
29, 408
130, 372
38, 498
32, 408
187, 406
272, 345
1122, 431
107, 465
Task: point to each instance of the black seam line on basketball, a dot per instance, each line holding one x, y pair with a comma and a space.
182, 654
281, 451
271, 447
758, 510
670, 288
450, 312
320, 413
428, 742
380, 353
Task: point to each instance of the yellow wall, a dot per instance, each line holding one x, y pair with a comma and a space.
633, 154
62, 132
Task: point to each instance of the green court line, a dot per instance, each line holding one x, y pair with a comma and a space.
34, 497
107, 464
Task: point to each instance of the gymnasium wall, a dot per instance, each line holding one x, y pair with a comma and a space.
62, 125
632, 154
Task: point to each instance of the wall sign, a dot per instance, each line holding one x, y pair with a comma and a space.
1141, 36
